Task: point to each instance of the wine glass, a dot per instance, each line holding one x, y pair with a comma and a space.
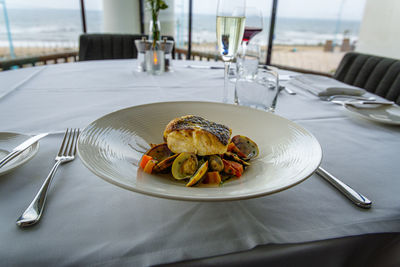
230, 26
254, 24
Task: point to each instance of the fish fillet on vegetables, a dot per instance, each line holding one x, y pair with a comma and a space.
193, 134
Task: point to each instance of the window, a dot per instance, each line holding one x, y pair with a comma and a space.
314, 35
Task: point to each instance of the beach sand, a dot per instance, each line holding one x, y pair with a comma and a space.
30, 51
312, 57
307, 57
298, 56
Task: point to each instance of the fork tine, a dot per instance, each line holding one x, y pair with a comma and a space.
72, 147
76, 140
61, 151
68, 144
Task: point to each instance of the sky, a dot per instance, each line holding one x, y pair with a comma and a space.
328, 9
323, 9
55, 4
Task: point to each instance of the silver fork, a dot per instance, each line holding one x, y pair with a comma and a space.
66, 153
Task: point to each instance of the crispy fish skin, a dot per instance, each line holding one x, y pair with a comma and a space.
193, 134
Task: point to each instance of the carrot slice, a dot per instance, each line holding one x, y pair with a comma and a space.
212, 178
233, 168
238, 167
144, 161
150, 165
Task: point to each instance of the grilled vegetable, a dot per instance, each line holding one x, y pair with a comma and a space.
233, 168
212, 178
144, 161
149, 166
184, 166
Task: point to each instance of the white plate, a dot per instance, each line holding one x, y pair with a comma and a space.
112, 146
8, 141
389, 114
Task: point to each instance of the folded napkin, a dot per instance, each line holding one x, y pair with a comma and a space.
324, 86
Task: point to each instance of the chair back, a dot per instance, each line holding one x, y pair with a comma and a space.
110, 46
378, 75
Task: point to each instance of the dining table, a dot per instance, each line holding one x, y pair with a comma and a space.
88, 221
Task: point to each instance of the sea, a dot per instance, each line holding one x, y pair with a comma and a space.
53, 27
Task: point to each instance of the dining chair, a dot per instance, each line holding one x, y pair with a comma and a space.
378, 75
99, 46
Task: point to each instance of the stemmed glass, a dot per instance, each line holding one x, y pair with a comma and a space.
254, 24
230, 27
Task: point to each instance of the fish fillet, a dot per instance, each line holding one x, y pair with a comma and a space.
193, 134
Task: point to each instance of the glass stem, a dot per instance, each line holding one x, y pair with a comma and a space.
226, 82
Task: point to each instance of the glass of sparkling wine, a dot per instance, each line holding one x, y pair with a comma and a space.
230, 27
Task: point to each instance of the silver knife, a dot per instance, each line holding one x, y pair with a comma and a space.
21, 148
287, 90
204, 67
363, 102
357, 198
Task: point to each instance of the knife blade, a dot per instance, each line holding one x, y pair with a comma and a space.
21, 148
366, 102
204, 67
287, 90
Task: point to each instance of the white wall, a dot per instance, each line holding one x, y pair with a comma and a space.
121, 16
380, 29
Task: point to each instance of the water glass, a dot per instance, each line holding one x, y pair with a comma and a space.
247, 61
261, 92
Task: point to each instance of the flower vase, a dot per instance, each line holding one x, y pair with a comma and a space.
154, 32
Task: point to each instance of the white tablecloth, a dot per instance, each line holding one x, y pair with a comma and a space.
88, 221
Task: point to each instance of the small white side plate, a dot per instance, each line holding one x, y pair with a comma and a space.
8, 141
380, 113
